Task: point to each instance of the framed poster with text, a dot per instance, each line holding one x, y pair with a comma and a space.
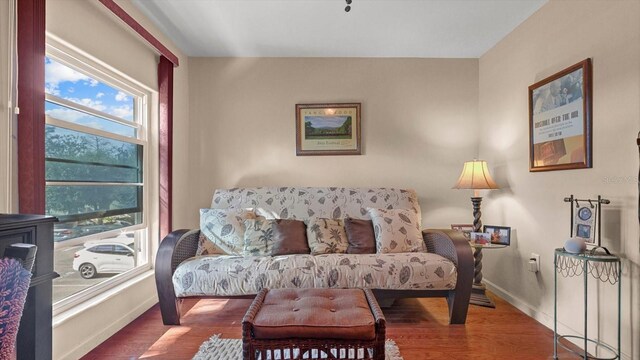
328, 129
560, 123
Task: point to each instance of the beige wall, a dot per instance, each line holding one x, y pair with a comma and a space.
419, 124
561, 34
90, 27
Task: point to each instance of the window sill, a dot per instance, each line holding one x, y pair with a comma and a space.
73, 312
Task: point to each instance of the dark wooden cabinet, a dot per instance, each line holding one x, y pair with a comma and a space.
34, 336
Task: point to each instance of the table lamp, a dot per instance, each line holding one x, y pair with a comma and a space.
475, 175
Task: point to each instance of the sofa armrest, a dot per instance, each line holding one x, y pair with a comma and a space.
175, 248
452, 245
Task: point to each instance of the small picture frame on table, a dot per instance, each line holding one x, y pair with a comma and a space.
465, 229
499, 235
480, 238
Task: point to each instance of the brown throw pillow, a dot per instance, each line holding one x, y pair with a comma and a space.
360, 235
289, 237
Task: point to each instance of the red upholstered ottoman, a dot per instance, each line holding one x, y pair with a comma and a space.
318, 323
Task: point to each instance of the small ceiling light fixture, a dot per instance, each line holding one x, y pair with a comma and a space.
348, 8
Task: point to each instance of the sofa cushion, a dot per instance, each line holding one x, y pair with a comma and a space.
258, 237
224, 227
289, 237
229, 275
360, 236
326, 236
385, 271
314, 314
396, 231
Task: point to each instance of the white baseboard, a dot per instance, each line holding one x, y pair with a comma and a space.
540, 316
543, 318
100, 336
102, 331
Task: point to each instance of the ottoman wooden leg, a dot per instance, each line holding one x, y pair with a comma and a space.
379, 351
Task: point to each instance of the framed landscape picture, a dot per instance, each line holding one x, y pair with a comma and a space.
328, 129
560, 123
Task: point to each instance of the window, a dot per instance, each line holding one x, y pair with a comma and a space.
101, 249
96, 146
121, 250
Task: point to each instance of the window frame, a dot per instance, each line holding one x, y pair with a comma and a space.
143, 118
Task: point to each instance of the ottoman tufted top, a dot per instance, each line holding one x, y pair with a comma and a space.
315, 314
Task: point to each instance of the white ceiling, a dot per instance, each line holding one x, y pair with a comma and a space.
321, 28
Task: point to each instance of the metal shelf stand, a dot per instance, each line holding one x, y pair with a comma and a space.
603, 266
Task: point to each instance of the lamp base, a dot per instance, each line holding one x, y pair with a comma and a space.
478, 293
477, 223
479, 297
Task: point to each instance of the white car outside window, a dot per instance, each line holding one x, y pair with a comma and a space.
104, 257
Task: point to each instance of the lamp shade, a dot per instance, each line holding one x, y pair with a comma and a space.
475, 175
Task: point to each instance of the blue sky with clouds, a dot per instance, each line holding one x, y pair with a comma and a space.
326, 121
69, 84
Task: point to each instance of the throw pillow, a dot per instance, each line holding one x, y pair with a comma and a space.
326, 236
207, 247
360, 235
258, 237
224, 227
396, 230
289, 237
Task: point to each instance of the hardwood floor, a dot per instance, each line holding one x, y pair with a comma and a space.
419, 327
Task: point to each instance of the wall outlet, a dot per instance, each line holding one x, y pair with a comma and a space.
534, 263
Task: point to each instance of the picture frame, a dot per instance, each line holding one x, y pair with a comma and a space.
328, 129
560, 120
465, 229
499, 235
584, 231
480, 238
584, 223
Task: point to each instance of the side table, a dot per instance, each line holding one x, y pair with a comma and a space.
478, 292
604, 267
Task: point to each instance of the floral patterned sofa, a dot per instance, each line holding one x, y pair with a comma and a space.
445, 269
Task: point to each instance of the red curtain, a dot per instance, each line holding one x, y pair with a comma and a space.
31, 51
165, 89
